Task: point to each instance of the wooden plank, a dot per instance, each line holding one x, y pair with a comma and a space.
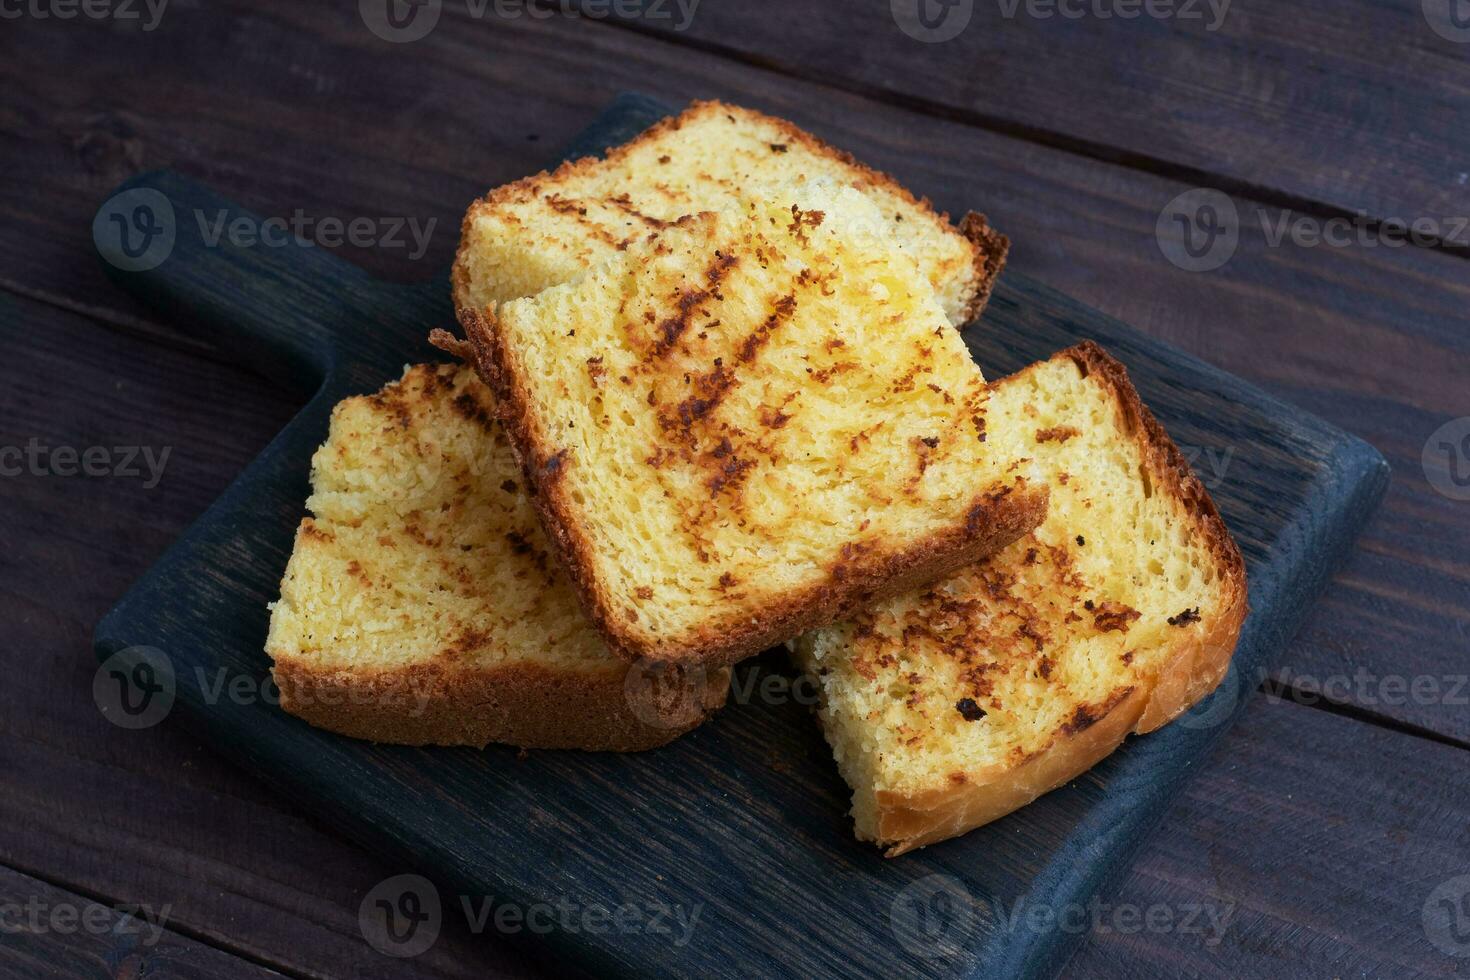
47, 932
1319, 841
241, 866
457, 815
1359, 113
1392, 371
55, 364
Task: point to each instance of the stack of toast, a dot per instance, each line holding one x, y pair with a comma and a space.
714, 399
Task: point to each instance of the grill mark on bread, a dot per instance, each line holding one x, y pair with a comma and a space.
690, 301
1114, 616
671, 389
1059, 433
624, 203
967, 275
578, 212
474, 410
1084, 716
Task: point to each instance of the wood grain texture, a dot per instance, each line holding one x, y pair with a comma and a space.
1338, 116
294, 116
47, 933
244, 868
744, 828
1319, 844
292, 893
1373, 339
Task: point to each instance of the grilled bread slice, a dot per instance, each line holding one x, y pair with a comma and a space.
420, 605
747, 425
951, 706
550, 228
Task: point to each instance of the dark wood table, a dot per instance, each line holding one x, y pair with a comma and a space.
1332, 827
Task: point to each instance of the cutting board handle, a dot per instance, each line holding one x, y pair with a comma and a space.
279, 305
247, 285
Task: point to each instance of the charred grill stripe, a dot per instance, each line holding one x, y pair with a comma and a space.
671, 329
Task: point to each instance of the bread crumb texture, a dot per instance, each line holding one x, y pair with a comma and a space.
422, 543
421, 602
970, 679
551, 228
745, 405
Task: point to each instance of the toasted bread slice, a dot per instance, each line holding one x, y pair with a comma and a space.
954, 705
748, 424
421, 607
550, 228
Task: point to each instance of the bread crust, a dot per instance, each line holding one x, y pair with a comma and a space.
521, 704
988, 247
1191, 670
995, 518
991, 249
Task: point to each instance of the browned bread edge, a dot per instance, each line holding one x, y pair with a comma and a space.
524, 704
989, 246
991, 249
995, 518
1193, 669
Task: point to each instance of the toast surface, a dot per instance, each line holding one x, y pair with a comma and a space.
749, 424
951, 706
549, 229
421, 606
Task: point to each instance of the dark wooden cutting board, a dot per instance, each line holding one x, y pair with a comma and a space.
744, 821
